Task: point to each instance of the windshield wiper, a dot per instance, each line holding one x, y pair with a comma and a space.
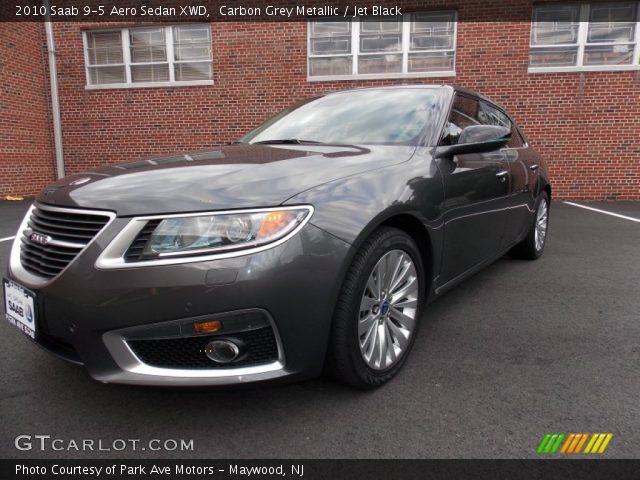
287, 141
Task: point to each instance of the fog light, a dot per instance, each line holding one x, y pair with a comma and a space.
222, 351
208, 327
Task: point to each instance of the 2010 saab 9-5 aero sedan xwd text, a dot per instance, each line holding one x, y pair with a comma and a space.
311, 243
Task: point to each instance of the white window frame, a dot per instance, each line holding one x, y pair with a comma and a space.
126, 56
585, 9
405, 45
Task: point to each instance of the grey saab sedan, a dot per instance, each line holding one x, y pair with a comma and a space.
311, 244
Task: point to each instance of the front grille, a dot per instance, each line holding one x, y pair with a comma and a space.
188, 352
68, 233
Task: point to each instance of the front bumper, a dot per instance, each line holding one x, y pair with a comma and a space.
89, 315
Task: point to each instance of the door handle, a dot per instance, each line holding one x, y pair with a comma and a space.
502, 175
534, 167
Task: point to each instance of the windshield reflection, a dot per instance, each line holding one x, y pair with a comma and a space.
371, 116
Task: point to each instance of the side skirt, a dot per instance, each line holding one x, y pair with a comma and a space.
440, 290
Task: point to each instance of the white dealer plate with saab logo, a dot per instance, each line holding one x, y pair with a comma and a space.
19, 307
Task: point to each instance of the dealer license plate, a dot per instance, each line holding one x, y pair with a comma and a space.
19, 307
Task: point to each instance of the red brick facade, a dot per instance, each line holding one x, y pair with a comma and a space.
26, 139
585, 124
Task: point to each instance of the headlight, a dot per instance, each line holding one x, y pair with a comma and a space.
218, 232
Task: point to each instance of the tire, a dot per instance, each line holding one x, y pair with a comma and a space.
530, 248
354, 333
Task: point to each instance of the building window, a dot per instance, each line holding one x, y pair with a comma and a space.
587, 36
148, 56
417, 45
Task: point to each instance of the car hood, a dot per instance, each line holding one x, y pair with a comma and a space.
236, 176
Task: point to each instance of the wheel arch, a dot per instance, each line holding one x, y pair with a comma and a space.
410, 223
419, 233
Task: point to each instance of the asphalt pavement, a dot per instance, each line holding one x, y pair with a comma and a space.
519, 350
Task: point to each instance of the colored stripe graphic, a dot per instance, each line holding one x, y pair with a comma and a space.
591, 442
598, 443
550, 443
556, 445
572, 447
567, 443
604, 445
573, 443
581, 442
543, 443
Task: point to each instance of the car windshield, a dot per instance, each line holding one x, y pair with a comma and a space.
371, 117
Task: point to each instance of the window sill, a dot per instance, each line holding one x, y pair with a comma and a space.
112, 86
380, 76
594, 68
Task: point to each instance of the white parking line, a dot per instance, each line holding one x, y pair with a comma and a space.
6, 239
604, 211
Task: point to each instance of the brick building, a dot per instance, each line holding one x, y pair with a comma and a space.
568, 72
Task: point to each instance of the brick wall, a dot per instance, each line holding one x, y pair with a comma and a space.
26, 140
585, 124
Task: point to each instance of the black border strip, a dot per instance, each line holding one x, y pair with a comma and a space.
322, 469
176, 11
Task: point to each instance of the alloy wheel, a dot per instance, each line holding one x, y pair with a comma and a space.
388, 310
542, 219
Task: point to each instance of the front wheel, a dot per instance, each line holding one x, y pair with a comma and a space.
532, 246
378, 311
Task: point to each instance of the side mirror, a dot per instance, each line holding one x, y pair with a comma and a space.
476, 139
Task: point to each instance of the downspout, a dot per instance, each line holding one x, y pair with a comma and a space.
55, 102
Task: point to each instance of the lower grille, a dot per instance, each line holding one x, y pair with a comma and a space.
188, 352
54, 237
